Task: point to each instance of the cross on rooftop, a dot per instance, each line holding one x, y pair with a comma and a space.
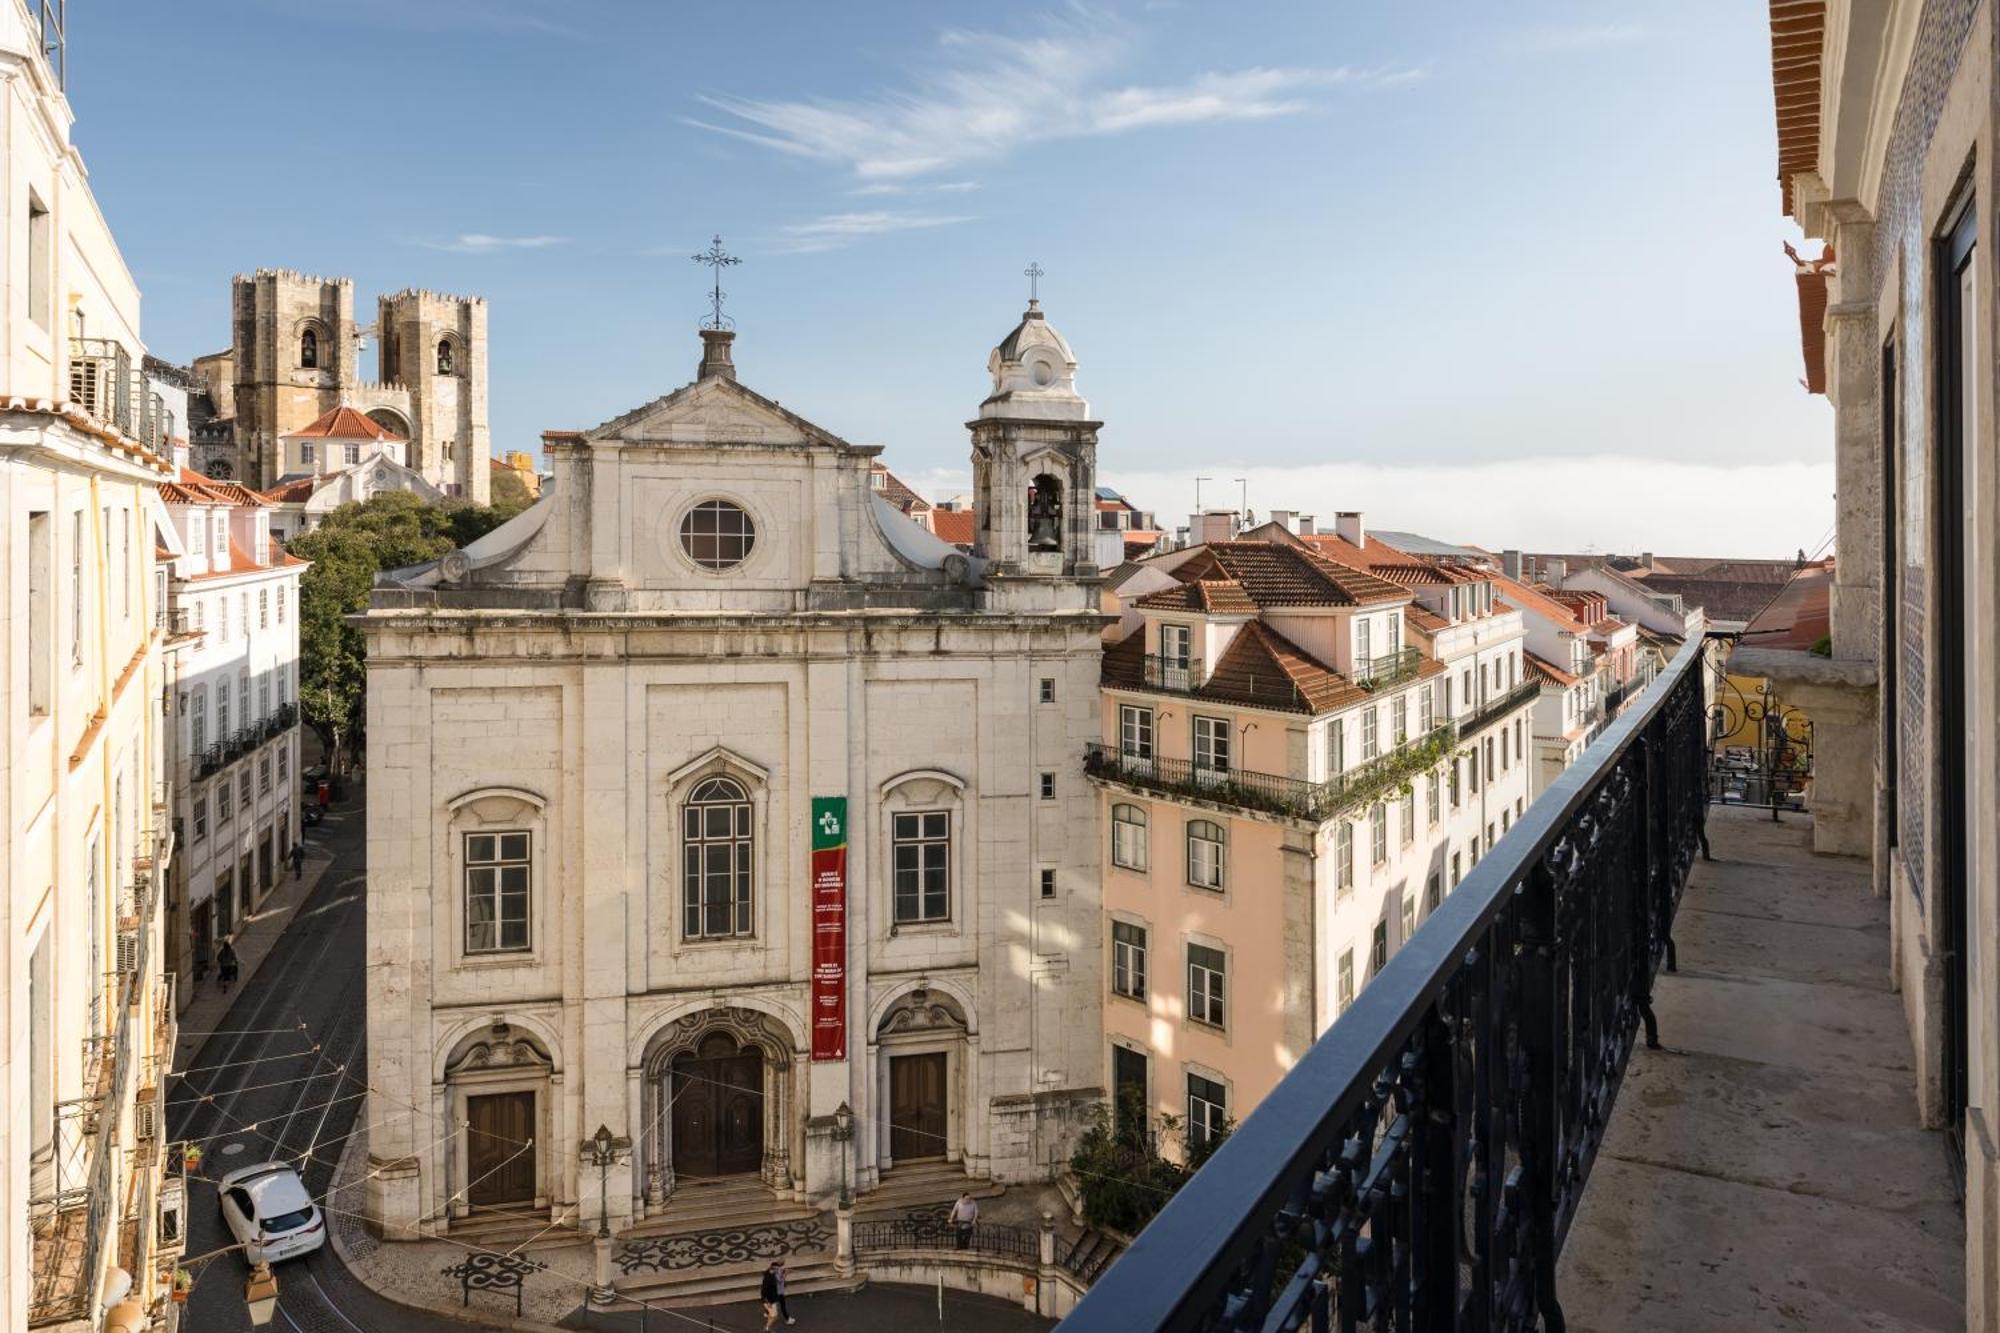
718, 259
1034, 273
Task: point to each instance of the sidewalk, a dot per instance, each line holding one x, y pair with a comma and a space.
257, 933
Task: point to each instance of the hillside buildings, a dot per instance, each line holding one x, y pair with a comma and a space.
340, 457
87, 841
713, 798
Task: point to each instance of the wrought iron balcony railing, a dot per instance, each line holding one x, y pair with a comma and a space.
1420, 1166
1272, 792
209, 761
1173, 674
1499, 706
1388, 669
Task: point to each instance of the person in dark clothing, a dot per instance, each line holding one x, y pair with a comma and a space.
298, 855
770, 1292
226, 965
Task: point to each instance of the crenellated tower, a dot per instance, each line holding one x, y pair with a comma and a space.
434, 345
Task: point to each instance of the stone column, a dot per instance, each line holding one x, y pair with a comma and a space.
843, 1245
1041, 1300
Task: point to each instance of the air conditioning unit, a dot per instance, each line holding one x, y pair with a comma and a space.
128, 952
86, 381
146, 1118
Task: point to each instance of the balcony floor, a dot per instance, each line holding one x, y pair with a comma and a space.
1766, 1170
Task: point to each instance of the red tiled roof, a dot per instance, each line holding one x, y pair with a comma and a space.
1546, 671
344, 423
1207, 596
1528, 599
1258, 657
1425, 620
1798, 28
1277, 575
896, 492
1137, 547
295, 491
954, 525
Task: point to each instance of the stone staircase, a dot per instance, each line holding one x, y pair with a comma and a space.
716, 1205
728, 1284
508, 1230
711, 1244
919, 1185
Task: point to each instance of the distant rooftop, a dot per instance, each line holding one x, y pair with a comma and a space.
1417, 544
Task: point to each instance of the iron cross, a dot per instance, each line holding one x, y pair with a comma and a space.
716, 258
1034, 273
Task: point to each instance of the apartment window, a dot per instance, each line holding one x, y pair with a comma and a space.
1174, 645
263, 608
1457, 869
1409, 916
198, 818
1343, 855
923, 866
1506, 820
221, 542
76, 589
1344, 995
1371, 741
1409, 819
1378, 832
1431, 810
1490, 839
496, 892
1456, 792
1048, 883
1472, 765
353, 454
1433, 892
1520, 737
41, 634
281, 605
1048, 786
125, 562
306, 453
1048, 689
1204, 854
222, 706
1363, 643
1208, 1111
225, 796
41, 249
1447, 696
264, 696
198, 721
1399, 718
1135, 731
716, 857
1489, 759
1211, 744
1520, 804
1471, 700
1336, 748
284, 763
264, 773
1378, 956
1206, 984
1426, 719
1504, 748
1395, 635
1128, 837
243, 790
1128, 960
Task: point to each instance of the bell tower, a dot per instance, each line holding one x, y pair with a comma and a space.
1034, 462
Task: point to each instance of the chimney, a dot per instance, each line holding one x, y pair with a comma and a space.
1555, 572
1287, 519
715, 355
1510, 564
1347, 523
1645, 559
1306, 528
1212, 525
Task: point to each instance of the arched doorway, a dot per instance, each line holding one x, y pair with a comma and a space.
921, 1045
718, 1114
499, 1088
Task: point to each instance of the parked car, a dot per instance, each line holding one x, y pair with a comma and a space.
310, 778
310, 814
268, 1211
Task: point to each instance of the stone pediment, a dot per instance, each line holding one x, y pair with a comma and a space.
713, 411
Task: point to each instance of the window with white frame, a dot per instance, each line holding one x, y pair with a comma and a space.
1344, 995
1128, 837
76, 589
923, 865
716, 847
1457, 795
1433, 892
1378, 957
1135, 731
1207, 984
222, 704
496, 892
353, 454
1175, 645
1363, 643
1208, 1110
1409, 916
1431, 805
244, 792
1378, 832
263, 772
197, 722
1205, 848
1399, 719
1128, 960
263, 608
1343, 855
1336, 748
305, 453
1410, 818
1211, 744
264, 695
198, 817
281, 604
1371, 740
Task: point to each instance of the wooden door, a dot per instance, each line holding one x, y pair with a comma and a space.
917, 1106
718, 1109
499, 1149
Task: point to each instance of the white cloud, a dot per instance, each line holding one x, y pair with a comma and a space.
990, 95
836, 230
480, 243
940, 187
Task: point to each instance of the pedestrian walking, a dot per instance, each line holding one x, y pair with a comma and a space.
784, 1306
226, 964
767, 1292
965, 1216
298, 855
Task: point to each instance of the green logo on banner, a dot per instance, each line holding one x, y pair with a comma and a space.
829, 822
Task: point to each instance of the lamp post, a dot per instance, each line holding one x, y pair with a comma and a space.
260, 1293
602, 1149
843, 1130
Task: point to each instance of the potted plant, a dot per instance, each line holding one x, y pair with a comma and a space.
191, 1156
183, 1284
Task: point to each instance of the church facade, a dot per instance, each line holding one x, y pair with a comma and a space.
713, 796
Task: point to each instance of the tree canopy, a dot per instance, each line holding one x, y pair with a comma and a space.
347, 550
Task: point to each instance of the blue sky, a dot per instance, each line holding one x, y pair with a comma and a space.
1511, 273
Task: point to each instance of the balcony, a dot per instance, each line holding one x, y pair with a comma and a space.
1389, 669
1499, 706
209, 762
281, 720
1172, 674
1269, 792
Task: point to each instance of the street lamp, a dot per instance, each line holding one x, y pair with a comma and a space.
260, 1293
603, 1148
843, 1130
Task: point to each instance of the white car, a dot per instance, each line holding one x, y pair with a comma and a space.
267, 1209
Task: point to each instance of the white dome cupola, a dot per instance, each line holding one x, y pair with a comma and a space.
1034, 374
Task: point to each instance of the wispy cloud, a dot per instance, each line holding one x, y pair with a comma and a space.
989, 95
480, 243
838, 230
939, 187
1588, 37
475, 16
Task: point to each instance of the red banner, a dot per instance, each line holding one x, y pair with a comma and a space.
829, 928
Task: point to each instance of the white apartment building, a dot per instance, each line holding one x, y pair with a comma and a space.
233, 599
86, 839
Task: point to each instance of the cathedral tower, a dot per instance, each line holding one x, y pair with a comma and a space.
1034, 464
434, 346
292, 352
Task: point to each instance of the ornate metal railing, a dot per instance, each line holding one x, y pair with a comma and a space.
937, 1233
1272, 792
1387, 669
209, 760
1499, 706
1172, 673
1420, 1167
103, 382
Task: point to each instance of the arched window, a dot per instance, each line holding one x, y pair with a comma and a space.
446, 360
1045, 514
1128, 837
716, 861
309, 349
1205, 841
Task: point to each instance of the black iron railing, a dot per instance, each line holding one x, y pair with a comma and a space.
1388, 669
1272, 792
1182, 676
208, 761
937, 1233
1420, 1167
1499, 706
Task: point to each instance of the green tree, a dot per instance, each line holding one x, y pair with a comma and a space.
1120, 1171
347, 550
510, 493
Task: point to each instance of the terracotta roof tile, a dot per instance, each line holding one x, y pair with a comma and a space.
296, 491
1263, 668
953, 525
1426, 620
344, 423
896, 492
1277, 575
1545, 671
1224, 597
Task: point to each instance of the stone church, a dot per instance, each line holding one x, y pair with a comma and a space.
294, 356
713, 796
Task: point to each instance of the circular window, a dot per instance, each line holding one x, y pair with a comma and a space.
717, 535
1044, 373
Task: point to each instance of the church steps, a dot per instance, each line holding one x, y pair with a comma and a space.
727, 1284
922, 1184
711, 1206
